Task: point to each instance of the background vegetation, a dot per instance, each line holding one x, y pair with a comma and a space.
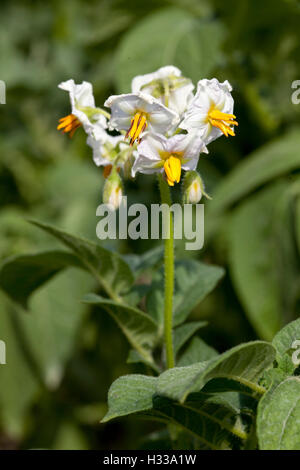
62, 355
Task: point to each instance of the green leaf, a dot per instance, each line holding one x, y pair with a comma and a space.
148, 260
139, 328
136, 294
212, 421
197, 351
263, 165
284, 340
279, 416
20, 276
253, 260
183, 333
110, 270
287, 253
173, 383
171, 36
135, 358
130, 394
54, 322
40, 344
244, 364
18, 382
193, 282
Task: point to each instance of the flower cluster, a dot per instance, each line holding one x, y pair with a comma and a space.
163, 127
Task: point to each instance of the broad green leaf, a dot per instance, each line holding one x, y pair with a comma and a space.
148, 260
39, 344
171, 36
212, 419
239, 403
139, 328
287, 341
193, 282
54, 321
224, 384
279, 416
213, 422
244, 364
173, 383
183, 333
130, 394
287, 252
253, 256
113, 274
21, 275
139, 264
196, 351
263, 165
136, 294
18, 383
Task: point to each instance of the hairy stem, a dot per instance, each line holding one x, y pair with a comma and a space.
169, 274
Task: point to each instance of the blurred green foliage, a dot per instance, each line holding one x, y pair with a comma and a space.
62, 355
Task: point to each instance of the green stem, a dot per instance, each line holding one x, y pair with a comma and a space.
169, 274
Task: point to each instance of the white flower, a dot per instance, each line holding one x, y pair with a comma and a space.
166, 85
84, 113
211, 110
109, 150
157, 153
104, 148
136, 112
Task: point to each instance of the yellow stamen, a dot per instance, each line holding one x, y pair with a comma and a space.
222, 121
172, 167
138, 125
69, 124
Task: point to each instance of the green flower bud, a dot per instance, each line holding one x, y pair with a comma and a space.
193, 188
113, 189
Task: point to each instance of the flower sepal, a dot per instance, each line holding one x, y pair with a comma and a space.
113, 189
